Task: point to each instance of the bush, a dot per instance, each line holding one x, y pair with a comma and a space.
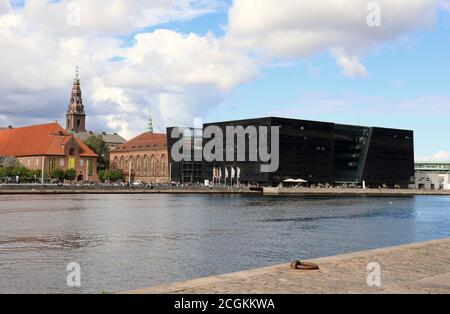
57, 174
70, 175
112, 175
25, 175
102, 175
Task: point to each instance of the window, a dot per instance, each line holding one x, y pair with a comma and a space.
90, 165
131, 165
145, 165
163, 166
153, 166
81, 162
72, 152
61, 162
71, 164
138, 165
52, 164
121, 163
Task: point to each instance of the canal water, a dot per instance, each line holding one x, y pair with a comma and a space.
127, 242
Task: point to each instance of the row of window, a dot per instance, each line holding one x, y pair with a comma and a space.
142, 165
71, 164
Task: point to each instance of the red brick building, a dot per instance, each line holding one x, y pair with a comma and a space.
143, 158
51, 147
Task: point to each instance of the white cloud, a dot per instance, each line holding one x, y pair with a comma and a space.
296, 29
177, 60
4, 6
439, 156
349, 64
112, 16
180, 76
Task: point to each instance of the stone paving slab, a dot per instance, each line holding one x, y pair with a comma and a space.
413, 268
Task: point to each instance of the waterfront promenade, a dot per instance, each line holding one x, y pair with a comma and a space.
413, 268
72, 189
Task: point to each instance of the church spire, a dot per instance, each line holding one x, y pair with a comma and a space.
150, 123
76, 117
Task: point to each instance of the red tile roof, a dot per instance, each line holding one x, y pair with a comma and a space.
38, 140
145, 141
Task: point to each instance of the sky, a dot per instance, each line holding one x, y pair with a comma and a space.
376, 63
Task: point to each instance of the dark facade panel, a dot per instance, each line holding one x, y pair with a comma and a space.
390, 158
351, 146
250, 171
306, 151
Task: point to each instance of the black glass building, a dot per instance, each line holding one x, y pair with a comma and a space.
186, 171
321, 152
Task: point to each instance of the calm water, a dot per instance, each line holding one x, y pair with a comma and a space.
127, 241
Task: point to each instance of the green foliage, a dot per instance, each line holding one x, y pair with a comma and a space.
70, 175
114, 175
25, 175
98, 145
57, 174
111, 175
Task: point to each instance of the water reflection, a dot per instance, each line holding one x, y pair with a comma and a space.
131, 241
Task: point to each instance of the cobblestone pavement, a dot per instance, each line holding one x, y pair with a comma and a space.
413, 268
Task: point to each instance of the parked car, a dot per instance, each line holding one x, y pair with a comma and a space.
138, 183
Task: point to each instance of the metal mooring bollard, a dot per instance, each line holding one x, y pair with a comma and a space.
304, 265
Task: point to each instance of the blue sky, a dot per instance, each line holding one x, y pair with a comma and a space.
401, 77
399, 71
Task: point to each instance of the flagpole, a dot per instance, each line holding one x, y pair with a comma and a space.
231, 176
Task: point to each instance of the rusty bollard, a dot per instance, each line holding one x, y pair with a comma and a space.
304, 265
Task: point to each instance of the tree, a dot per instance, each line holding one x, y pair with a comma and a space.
70, 175
111, 175
57, 174
102, 175
114, 175
98, 145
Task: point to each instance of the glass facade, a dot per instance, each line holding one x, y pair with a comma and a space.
351, 144
186, 171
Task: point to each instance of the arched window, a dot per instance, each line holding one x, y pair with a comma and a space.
138, 165
145, 165
163, 165
115, 165
153, 166
132, 164
72, 152
121, 163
